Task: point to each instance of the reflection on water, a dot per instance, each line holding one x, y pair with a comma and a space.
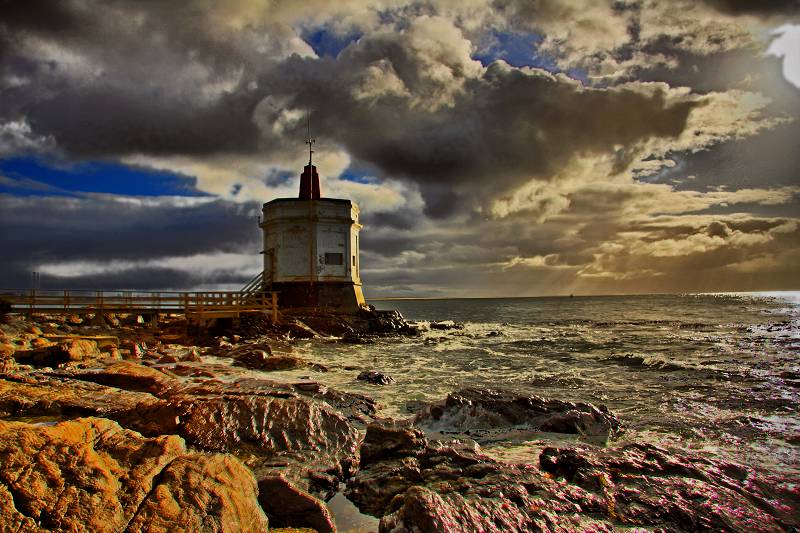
348, 518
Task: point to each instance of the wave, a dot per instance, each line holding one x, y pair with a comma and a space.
648, 362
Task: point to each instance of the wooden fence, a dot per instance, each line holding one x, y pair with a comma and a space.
197, 306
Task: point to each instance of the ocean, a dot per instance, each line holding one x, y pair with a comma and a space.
713, 374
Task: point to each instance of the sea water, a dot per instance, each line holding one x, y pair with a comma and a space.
713, 374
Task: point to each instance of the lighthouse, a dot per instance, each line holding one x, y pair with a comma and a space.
311, 247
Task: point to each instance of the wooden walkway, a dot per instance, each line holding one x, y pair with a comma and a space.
199, 307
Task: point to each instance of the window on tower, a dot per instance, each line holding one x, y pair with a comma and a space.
332, 258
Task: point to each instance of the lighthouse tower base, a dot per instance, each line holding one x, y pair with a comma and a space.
342, 297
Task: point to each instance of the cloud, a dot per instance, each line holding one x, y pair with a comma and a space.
106, 232
786, 45
472, 176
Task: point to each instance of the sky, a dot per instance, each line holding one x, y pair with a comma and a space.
495, 147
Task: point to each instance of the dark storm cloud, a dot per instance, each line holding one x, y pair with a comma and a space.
756, 7
98, 228
111, 121
214, 88
504, 123
768, 159
506, 126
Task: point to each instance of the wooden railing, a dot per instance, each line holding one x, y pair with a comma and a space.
197, 306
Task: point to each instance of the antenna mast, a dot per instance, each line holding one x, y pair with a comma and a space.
310, 140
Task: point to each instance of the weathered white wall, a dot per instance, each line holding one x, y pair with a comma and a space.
295, 231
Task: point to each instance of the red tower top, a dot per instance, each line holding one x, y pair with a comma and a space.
309, 179
309, 183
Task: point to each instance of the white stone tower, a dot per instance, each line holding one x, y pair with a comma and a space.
311, 248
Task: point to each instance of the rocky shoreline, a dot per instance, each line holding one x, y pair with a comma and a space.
113, 424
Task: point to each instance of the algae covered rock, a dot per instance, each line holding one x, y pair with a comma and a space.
202, 493
90, 474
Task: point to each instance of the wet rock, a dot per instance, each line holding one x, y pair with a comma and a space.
129, 376
328, 324
53, 355
388, 322
168, 359
273, 425
202, 493
298, 330
191, 356
384, 440
483, 412
375, 377
435, 487
91, 474
243, 350
7, 349
251, 358
43, 396
8, 364
645, 484
355, 338
272, 363
445, 325
289, 506
356, 407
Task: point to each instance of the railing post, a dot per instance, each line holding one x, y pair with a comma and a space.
274, 307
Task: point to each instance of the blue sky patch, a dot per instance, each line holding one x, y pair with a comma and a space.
521, 49
28, 176
357, 175
326, 43
517, 49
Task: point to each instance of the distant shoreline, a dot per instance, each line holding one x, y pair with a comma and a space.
782, 293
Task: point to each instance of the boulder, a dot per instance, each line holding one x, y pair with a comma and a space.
289, 506
375, 377
91, 474
298, 330
8, 364
328, 324
484, 414
81, 349
445, 325
7, 349
198, 492
44, 396
252, 359
129, 376
273, 425
356, 407
53, 355
646, 484
191, 356
355, 338
279, 362
387, 439
168, 359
